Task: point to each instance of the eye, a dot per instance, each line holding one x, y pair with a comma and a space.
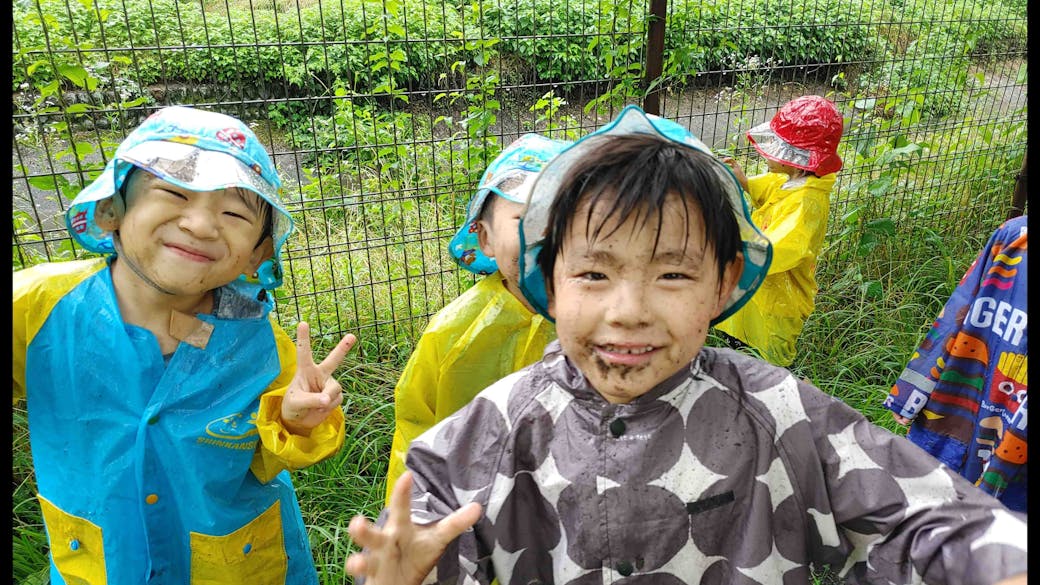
674, 276
236, 215
594, 276
175, 194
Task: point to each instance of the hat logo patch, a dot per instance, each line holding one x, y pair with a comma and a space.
79, 222
232, 136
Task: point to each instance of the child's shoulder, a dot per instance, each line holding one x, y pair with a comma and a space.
486, 296
54, 277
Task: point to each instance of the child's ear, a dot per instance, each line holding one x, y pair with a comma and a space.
730, 278
550, 304
108, 213
484, 239
263, 251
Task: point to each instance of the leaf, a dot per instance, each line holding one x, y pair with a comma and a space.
74, 73
872, 289
884, 225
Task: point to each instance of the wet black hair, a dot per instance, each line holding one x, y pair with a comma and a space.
266, 209
633, 175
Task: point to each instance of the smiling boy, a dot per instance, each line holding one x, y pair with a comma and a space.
633, 454
165, 407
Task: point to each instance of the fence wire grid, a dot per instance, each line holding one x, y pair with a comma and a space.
381, 115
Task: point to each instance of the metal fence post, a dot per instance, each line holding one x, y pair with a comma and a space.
655, 55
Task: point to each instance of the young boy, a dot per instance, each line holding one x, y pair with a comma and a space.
165, 407
631, 453
791, 201
965, 391
489, 331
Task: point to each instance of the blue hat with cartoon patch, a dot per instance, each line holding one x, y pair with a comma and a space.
511, 175
196, 150
758, 252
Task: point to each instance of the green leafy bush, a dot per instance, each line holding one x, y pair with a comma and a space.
723, 35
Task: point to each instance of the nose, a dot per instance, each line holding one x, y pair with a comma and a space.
629, 306
200, 221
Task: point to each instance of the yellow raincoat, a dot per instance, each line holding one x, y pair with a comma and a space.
483, 335
795, 221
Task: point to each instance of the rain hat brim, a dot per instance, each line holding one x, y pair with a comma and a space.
184, 165
776, 149
756, 248
511, 176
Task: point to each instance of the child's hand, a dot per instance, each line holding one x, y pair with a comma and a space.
401, 553
901, 419
313, 392
737, 170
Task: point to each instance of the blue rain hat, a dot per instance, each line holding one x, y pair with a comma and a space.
511, 175
758, 252
194, 149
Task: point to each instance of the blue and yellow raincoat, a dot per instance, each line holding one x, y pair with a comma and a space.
160, 473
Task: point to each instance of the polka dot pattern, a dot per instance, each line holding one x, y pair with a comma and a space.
734, 473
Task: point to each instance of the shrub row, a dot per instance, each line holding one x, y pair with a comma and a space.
386, 45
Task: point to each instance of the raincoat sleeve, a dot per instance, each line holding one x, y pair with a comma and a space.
882, 510
797, 217
279, 449
415, 404
21, 305
35, 292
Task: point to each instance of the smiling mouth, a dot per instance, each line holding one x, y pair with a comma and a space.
626, 356
636, 350
189, 253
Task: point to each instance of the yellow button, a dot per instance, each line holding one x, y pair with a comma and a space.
152, 498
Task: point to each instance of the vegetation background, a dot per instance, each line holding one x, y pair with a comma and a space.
381, 115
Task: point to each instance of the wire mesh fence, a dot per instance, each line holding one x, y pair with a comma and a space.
382, 114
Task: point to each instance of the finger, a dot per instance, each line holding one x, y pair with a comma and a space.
357, 566
312, 377
458, 522
304, 401
401, 502
338, 353
360, 564
335, 394
364, 533
303, 344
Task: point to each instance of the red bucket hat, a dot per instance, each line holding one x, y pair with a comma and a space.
804, 134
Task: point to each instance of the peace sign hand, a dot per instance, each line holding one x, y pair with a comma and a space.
313, 392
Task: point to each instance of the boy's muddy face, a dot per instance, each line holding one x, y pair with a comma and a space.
630, 317
190, 242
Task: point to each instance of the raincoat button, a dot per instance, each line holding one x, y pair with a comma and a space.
617, 427
154, 419
248, 547
74, 545
624, 568
151, 498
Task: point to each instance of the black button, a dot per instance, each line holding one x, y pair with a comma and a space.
617, 427
154, 419
624, 568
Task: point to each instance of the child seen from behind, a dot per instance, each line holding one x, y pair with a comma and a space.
791, 203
